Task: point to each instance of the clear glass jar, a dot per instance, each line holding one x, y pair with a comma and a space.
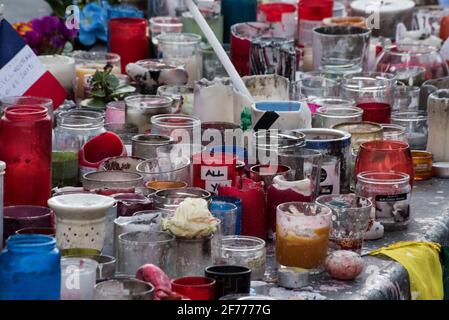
415, 124
162, 25
242, 251
74, 128
186, 48
140, 109
394, 132
390, 193
326, 117
406, 98
166, 169
182, 97
182, 128
193, 255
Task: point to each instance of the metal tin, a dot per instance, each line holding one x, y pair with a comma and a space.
441, 169
170, 199
331, 142
145, 145
293, 278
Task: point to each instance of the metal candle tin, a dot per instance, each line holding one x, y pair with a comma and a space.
145, 145
169, 199
336, 143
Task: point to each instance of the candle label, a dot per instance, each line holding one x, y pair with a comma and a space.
212, 186
330, 177
393, 207
214, 173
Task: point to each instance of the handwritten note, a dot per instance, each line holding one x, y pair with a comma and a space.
212, 186
214, 173
19, 74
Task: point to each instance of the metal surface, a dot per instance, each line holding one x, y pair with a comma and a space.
383, 278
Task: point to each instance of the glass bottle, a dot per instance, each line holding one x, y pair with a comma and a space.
26, 149
30, 268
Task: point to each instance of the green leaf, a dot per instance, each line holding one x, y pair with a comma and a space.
96, 103
98, 93
112, 81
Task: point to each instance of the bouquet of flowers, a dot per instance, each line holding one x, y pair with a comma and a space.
47, 35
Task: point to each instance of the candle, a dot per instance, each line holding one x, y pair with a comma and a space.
212, 170
78, 278
63, 69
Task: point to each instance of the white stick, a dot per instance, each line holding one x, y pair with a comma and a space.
213, 41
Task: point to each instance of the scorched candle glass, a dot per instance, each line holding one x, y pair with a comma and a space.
302, 234
140, 109
390, 193
26, 150
112, 182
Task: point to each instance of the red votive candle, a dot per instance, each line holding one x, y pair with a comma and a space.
378, 112
213, 169
129, 38
194, 288
25, 147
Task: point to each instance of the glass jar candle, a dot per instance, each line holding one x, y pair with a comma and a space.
398, 56
182, 97
242, 251
194, 288
361, 132
302, 234
241, 36
123, 289
385, 156
162, 25
129, 203
280, 16
238, 203
23, 216
327, 117
316, 85
138, 248
406, 98
26, 149
394, 132
80, 220
85, 270
63, 69
350, 219
140, 109
373, 92
112, 182
128, 37
145, 145
182, 128
30, 268
115, 112
267, 172
183, 47
166, 169
390, 193
213, 19
87, 63
415, 124
227, 214
422, 165
211, 170
105, 264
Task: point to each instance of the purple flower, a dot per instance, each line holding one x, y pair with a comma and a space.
33, 38
58, 41
50, 24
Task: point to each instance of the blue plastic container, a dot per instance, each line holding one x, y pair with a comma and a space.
238, 203
30, 268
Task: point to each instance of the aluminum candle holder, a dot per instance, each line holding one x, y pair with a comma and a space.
145, 145
342, 47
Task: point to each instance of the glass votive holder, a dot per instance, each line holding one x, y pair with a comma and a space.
315, 85
227, 213
145, 145
390, 193
129, 203
350, 220
327, 117
115, 112
182, 97
361, 132
238, 203
194, 288
422, 165
87, 63
182, 128
105, 264
415, 124
123, 289
302, 234
161, 25
166, 169
78, 278
410, 75
19, 217
185, 48
111, 182
169, 200
229, 279
242, 251
141, 247
394, 132
140, 109
193, 255
406, 98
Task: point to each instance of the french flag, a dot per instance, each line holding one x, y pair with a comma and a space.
21, 71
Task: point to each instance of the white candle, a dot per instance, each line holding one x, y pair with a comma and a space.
63, 69
78, 278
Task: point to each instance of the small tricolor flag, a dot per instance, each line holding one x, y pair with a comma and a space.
21, 71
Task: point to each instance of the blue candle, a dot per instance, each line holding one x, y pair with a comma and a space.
236, 11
